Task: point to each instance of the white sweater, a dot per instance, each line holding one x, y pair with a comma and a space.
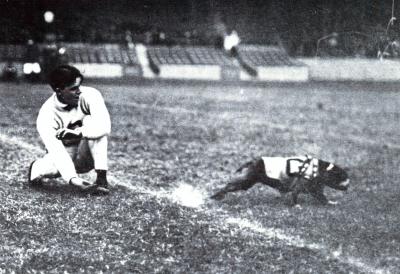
91, 112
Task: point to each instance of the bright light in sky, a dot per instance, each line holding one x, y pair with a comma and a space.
48, 16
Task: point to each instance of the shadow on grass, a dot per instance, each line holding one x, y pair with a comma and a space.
54, 188
249, 201
268, 200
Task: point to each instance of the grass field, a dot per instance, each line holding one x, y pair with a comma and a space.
172, 145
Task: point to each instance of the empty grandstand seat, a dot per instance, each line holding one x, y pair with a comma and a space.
189, 56
102, 54
12, 52
2, 52
266, 56
168, 56
209, 56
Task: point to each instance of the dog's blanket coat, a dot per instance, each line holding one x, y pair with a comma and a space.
283, 168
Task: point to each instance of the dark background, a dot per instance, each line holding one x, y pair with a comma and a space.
295, 25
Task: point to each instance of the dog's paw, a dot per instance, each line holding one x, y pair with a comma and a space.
218, 196
297, 206
333, 203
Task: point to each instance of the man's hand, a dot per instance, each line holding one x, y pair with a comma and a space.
88, 187
67, 134
82, 184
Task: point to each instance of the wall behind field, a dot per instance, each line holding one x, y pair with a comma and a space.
352, 69
315, 69
318, 70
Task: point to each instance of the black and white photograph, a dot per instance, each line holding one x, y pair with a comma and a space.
209, 136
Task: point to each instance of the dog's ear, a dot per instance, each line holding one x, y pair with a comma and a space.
245, 165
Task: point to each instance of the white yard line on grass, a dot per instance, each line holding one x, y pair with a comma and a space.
274, 233
251, 226
22, 144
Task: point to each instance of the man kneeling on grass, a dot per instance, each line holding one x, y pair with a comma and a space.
74, 125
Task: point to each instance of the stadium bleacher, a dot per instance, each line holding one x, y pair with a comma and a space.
168, 55
175, 57
179, 55
209, 56
15, 53
257, 56
101, 54
266, 56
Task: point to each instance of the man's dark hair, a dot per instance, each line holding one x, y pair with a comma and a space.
63, 76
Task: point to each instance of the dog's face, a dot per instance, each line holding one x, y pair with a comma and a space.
333, 176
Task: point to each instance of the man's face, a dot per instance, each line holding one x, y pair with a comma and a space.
70, 95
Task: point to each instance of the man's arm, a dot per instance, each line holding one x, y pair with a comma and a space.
98, 122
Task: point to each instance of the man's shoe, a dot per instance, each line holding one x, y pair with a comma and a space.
36, 181
101, 187
101, 182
